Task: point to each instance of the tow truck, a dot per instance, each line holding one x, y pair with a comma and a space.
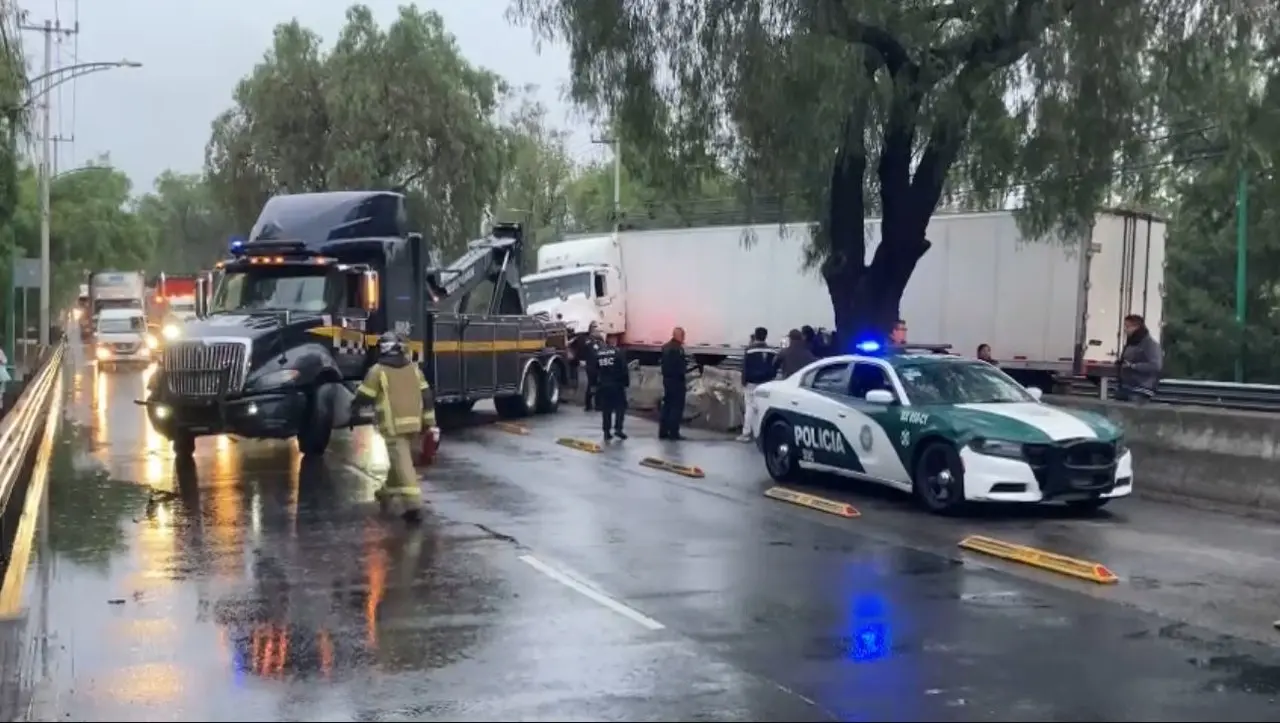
293, 325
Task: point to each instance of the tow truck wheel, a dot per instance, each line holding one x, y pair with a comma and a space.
184, 445
523, 404
317, 424
549, 391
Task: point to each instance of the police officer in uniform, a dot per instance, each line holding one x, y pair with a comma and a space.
590, 348
405, 408
613, 378
675, 371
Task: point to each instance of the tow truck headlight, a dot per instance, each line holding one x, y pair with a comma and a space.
77, 313
103, 353
171, 332
277, 378
997, 448
152, 342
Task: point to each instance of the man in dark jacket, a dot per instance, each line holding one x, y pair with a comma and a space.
590, 347
1140, 362
675, 372
612, 381
796, 356
758, 367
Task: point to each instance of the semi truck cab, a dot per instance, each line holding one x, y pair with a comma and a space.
292, 325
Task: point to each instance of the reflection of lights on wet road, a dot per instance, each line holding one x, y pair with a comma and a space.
375, 558
101, 397
226, 497
158, 455
150, 684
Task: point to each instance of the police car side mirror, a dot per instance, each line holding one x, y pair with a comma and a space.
1035, 392
880, 396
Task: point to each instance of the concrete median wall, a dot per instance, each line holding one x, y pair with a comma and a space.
1210, 455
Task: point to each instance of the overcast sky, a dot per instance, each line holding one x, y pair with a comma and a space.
194, 51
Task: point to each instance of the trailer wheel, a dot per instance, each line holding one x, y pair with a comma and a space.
525, 402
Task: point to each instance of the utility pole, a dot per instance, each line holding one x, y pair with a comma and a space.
57, 141
51, 30
617, 180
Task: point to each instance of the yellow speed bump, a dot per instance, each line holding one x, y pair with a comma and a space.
667, 465
512, 427
581, 445
821, 504
1082, 569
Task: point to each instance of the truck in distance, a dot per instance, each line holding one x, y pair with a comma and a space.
293, 325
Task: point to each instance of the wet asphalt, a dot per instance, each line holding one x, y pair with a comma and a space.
552, 584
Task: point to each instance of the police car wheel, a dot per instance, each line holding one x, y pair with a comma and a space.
939, 478
779, 452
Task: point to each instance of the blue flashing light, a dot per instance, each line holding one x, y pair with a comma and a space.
869, 346
237, 246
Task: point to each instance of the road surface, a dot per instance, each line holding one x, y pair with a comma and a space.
553, 584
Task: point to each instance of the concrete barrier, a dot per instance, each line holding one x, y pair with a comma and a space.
713, 400
1211, 455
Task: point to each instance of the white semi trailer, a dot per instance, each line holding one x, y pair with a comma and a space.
1049, 307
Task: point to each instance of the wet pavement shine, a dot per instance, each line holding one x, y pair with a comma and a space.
553, 584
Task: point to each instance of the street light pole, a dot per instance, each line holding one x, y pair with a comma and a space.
45, 166
48, 82
617, 180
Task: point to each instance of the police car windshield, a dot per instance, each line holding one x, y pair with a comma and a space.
279, 288
553, 288
959, 383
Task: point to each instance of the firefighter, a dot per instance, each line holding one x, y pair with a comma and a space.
612, 379
404, 408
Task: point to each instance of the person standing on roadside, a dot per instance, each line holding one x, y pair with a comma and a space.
759, 362
984, 354
795, 357
590, 348
1141, 360
612, 379
675, 374
898, 336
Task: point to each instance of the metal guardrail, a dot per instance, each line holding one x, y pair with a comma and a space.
1223, 395
19, 435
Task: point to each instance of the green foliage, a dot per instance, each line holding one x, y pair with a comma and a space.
536, 173
190, 229
385, 108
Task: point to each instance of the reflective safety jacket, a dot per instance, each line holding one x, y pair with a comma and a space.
401, 396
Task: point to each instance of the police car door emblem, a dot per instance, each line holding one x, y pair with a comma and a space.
864, 437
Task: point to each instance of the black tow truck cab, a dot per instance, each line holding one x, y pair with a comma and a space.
278, 348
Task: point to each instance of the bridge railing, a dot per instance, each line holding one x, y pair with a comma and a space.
27, 434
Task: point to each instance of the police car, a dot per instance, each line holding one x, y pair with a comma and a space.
945, 428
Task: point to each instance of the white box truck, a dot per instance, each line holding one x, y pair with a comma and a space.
1049, 307
717, 282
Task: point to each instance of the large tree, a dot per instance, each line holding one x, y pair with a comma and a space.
887, 107
385, 108
536, 175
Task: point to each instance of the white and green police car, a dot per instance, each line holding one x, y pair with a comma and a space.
946, 428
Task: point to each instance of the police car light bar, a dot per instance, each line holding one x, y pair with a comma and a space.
931, 348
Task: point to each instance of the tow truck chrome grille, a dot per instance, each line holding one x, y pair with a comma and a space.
197, 369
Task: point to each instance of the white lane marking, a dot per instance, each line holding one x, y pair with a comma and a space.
586, 591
